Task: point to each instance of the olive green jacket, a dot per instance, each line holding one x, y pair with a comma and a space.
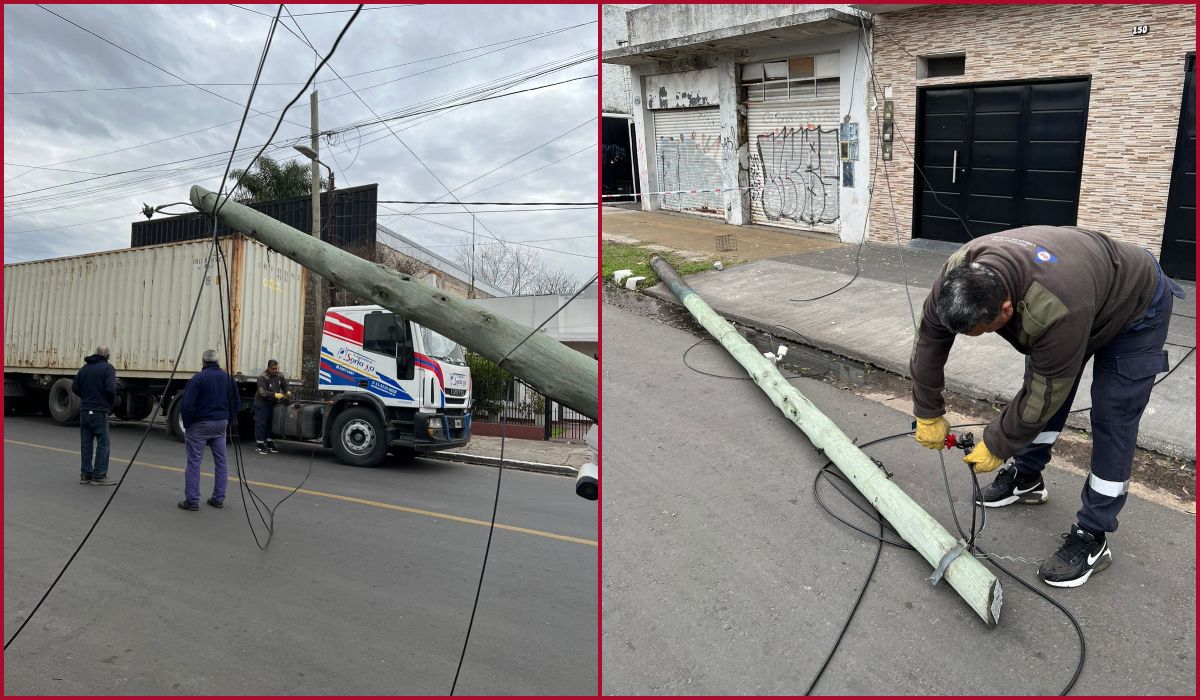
1072, 290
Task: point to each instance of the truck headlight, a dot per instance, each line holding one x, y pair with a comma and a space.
435, 423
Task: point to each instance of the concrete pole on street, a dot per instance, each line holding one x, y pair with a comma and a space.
567, 376
950, 558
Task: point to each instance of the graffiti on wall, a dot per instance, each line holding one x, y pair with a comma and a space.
690, 162
794, 175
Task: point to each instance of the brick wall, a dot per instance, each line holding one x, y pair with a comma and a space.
1137, 88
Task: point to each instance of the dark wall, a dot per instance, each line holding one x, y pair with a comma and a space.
347, 220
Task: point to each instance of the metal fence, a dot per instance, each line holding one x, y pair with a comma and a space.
528, 414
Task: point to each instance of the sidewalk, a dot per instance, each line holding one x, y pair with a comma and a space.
871, 321
545, 456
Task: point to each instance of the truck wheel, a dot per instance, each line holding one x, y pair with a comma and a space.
63, 403
175, 419
359, 438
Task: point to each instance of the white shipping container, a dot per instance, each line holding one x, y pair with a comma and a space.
138, 302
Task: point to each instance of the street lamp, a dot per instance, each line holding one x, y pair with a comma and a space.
312, 155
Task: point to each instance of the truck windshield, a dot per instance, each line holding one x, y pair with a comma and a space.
440, 347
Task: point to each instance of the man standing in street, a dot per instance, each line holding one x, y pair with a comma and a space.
272, 388
1059, 295
210, 402
96, 386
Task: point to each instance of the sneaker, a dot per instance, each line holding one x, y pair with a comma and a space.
1008, 488
103, 481
261, 449
215, 503
189, 506
272, 448
1076, 560
85, 478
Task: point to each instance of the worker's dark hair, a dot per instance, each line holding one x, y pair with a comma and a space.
970, 296
272, 362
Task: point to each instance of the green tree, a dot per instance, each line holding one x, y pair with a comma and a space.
267, 180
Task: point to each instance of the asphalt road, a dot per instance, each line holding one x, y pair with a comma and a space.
366, 587
722, 575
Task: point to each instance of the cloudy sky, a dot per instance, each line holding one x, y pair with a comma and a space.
79, 132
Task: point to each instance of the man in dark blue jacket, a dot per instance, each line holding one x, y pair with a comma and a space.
210, 401
96, 386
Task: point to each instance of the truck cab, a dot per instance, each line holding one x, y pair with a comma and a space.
390, 383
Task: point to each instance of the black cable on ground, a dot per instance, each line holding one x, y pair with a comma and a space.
825, 471
149, 424
178, 358
499, 475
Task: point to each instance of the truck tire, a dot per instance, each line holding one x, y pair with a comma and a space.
175, 419
63, 403
359, 437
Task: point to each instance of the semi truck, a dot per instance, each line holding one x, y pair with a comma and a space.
385, 383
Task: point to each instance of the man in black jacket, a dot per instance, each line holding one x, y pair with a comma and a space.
96, 386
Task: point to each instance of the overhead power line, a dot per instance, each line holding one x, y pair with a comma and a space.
147, 61
341, 130
500, 204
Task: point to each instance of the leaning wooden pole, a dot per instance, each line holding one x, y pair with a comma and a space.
567, 376
973, 581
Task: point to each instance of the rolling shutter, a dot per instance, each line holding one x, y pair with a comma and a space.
794, 166
689, 158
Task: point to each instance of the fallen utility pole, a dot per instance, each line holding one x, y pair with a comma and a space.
567, 376
973, 581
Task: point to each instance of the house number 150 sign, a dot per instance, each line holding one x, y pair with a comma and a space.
1141, 29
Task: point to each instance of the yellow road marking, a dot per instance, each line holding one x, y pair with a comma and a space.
347, 499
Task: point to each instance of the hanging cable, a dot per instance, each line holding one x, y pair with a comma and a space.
499, 474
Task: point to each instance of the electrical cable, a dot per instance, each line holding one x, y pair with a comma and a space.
234, 121
143, 179
498, 204
143, 60
149, 423
499, 474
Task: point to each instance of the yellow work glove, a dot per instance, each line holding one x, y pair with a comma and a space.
931, 432
982, 460
278, 395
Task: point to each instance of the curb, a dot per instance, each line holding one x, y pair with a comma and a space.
519, 464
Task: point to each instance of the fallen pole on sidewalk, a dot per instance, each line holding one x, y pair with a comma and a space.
978, 586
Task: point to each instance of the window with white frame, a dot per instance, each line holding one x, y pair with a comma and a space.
790, 79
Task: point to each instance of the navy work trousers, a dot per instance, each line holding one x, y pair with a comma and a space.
262, 421
1122, 377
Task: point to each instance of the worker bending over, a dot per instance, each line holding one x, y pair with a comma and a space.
1059, 295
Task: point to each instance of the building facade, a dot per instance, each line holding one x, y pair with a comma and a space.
968, 119
750, 113
1038, 114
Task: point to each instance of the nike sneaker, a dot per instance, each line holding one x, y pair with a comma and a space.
1076, 560
1010, 486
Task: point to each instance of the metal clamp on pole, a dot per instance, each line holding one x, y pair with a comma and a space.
944, 564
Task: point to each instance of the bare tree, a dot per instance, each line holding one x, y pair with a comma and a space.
553, 281
515, 270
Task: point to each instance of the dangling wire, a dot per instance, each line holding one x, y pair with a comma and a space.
499, 474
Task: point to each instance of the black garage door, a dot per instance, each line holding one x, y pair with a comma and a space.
1179, 235
998, 156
